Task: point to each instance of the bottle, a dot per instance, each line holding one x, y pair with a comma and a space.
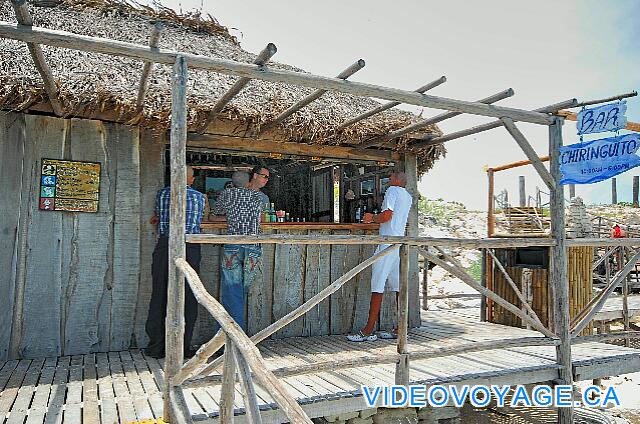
272, 213
287, 218
358, 214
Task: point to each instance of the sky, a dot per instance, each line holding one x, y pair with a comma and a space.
547, 51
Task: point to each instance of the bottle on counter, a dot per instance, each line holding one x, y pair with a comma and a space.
358, 214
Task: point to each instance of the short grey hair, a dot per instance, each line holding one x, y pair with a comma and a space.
240, 179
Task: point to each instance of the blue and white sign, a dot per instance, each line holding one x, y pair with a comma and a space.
604, 118
598, 160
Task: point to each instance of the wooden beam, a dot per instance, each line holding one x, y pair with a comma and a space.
603, 242
263, 57
227, 390
402, 366
229, 145
49, 83
368, 360
485, 127
434, 120
230, 67
359, 64
608, 99
389, 105
516, 164
248, 390
179, 408
528, 151
154, 39
558, 276
370, 240
174, 331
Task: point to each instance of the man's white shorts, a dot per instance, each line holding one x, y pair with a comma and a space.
386, 270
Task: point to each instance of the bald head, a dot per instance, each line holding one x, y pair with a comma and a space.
398, 178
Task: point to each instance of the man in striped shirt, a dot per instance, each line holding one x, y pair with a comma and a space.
197, 210
241, 264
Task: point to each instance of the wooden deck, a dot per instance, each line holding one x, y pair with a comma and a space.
612, 309
124, 386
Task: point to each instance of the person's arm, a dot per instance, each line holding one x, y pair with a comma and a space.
155, 219
382, 217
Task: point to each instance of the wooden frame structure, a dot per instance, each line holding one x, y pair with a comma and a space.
241, 353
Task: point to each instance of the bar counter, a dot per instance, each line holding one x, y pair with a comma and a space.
298, 226
293, 273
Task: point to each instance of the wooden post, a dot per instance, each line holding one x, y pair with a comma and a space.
538, 198
49, 83
572, 191
483, 282
558, 277
636, 189
148, 66
614, 192
425, 283
402, 367
491, 223
174, 335
248, 390
625, 295
523, 191
227, 391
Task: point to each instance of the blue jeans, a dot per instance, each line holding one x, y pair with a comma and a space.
241, 266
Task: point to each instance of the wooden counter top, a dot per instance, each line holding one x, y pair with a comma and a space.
299, 226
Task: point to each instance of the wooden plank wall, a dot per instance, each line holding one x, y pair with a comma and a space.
72, 279
81, 282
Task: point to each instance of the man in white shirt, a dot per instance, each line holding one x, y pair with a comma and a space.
386, 272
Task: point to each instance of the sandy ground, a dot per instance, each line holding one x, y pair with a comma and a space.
467, 224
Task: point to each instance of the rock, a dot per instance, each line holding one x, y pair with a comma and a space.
366, 413
400, 415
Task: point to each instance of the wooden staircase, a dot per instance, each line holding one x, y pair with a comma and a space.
526, 220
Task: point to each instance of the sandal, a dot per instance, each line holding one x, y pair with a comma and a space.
388, 335
361, 337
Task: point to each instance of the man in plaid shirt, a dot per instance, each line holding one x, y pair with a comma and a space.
241, 264
197, 209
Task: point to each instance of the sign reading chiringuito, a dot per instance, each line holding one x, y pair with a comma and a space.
69, 186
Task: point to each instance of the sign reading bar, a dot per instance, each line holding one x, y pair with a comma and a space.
69, 186
609, 117
598, 160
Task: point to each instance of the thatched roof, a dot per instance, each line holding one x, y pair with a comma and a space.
102, 82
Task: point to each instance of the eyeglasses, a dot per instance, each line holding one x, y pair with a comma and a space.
265, 176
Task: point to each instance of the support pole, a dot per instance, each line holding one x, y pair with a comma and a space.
50, 87
227, 390
614, 192
523, 191
148, 66
388, 105
359, 64
402, 366
491, 218
572, 191
425, 283
558, 276
174, 333
434, 120
485, 127
636, 189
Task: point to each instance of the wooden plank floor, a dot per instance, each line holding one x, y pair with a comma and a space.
612, 308
125, 386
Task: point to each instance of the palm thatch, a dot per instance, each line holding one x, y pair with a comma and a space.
96, 82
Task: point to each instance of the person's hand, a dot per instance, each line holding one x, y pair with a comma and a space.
368, 218
155, 219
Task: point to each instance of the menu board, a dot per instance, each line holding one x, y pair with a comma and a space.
69, 186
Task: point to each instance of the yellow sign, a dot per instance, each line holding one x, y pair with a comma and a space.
69, 186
